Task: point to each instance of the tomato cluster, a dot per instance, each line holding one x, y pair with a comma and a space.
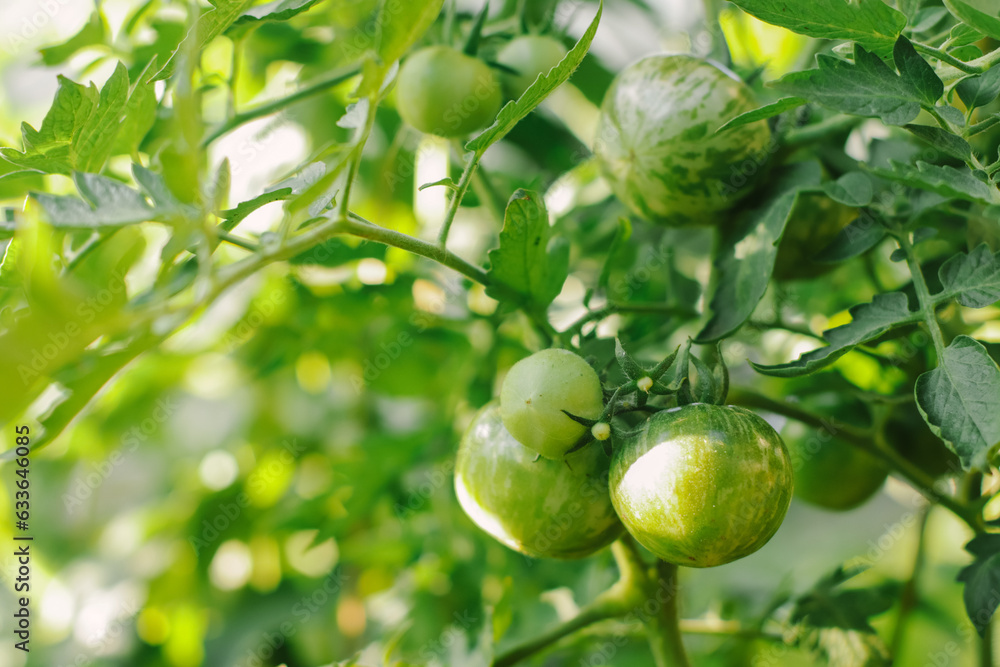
698, 485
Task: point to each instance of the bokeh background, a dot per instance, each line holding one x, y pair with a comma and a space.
273, 483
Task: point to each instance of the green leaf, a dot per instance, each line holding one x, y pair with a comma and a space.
963, 35
982, 580
402, 23
80, 130
277, 10
946, 142
972, 279
866, 87
852, 189
9, 274
530, 260
744, 265
981, 89
871, 23
764, 112
975, 15
95, 31
212, 23
140, 113
857, 238
917, 71
234, 216
960, 401
109, 204
832, 621
513, 112
630, 367
868, 322
944, 180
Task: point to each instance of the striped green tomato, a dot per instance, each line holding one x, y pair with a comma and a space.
539, 507
536, 391
657, 146
830, 473
702, 485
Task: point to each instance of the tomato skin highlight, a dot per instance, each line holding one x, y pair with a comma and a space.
536, 506
530, 55
536, 391
830, 473
657, 146
447, 93
702, 485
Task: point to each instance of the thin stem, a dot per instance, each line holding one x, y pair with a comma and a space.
588, 616
354, 162
946, 57
339, 77
982, 126
833, 126
909, 596
237, 241
457, 197
665, 639
923, 294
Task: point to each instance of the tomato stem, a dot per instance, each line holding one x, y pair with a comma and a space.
664, 628
457, 197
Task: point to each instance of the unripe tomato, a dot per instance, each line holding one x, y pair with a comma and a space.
446, 92
831, 473
536, 391
657, 146
812, 225
539, 507
702, 485
529, 55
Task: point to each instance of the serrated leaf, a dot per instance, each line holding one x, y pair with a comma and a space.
979, 90
764, 112
833, 621
868, 321
744, 265
81, 128
867, 87
917, 71
530, 260
139, 113
401, 24
987, 23
871, 23
944, 180
512, 113
857, 238
960, 401
106, 204
212, 23
946, 142
630, 367
982, 580
853, 189
972, 279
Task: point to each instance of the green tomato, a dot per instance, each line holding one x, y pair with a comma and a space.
831, 473
702, 485
537, 390
446, 92
657, 146
530, 56
814, 222
541, 508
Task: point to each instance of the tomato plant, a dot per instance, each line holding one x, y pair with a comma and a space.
352, 332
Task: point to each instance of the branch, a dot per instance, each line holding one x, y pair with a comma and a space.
339, 77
